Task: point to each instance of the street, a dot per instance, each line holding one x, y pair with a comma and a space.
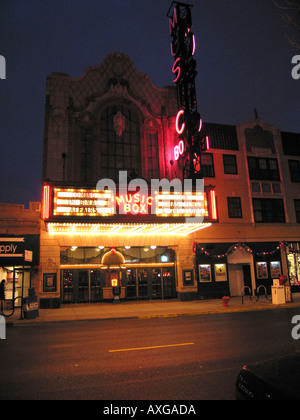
182, 358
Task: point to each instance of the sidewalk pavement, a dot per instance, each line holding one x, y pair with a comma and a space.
147, 309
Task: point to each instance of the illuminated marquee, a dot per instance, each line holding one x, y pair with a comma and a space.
70, 202
125, 229
74, 202
134, 203
181, 204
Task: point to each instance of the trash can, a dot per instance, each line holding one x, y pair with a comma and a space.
30, 305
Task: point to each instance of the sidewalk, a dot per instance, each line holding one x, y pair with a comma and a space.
146, 309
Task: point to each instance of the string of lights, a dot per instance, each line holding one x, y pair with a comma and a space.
200, 250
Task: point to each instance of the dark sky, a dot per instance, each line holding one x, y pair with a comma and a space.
243, 61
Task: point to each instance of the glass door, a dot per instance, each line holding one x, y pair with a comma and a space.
156, 284
142, 278
83, 286
169, 289
131, 287
68, 286
96, 295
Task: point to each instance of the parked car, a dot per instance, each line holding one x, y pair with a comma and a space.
275, 379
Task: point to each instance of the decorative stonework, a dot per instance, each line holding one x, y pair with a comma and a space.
259, 138
118, 65
119, 124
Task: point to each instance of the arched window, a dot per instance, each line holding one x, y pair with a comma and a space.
152, 152
83, 149
120, 142
86, 154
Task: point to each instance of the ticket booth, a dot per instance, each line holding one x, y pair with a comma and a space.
113, 262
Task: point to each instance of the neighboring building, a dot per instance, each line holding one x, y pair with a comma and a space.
19, 232
255, 170
114, 119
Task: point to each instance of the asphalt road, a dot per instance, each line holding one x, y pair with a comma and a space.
182, 358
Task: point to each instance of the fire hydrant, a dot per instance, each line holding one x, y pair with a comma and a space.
225, 300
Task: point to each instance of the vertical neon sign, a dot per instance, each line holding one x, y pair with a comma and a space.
213, 205
188, 123
46, 202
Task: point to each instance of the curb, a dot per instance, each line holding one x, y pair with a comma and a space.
220, 311
25, 323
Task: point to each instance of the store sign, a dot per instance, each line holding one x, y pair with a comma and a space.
11, 248
134, 203
28, 255
179, 150
74, 202
183, 48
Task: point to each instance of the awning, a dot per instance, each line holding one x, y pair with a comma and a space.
148, 229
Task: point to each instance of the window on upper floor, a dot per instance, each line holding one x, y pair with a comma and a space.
234, 207
263, 168
152, 155
229, 162
268, 210
294, 166
221, 136
297, 210
207, 165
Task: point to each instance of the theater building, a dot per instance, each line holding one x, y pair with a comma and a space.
108, 135
113, 121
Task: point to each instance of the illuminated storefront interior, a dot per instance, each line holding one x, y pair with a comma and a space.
88, 273
293, 257
16, 278
19, 263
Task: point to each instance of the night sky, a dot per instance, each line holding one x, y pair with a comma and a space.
243, 62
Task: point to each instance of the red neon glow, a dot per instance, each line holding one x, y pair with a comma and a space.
176, 69
176, 152
194, 45
200, 125
194, 40
179, 150
181, 147
173, 21
46, 202
197, 164
181, 129
172, 51
213, 205
207, 142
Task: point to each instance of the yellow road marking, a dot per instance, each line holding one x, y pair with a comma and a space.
152, 347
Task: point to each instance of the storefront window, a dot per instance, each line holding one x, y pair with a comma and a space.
13, 277
93, 255
293, 258
144, 273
